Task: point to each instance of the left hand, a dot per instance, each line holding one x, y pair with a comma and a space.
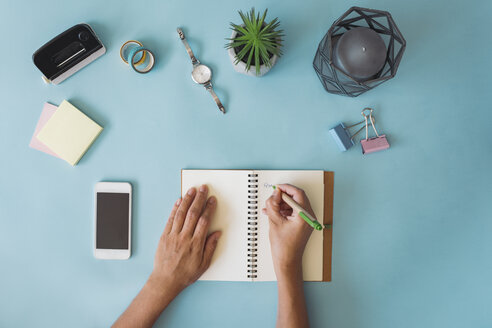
185, 248
183, 254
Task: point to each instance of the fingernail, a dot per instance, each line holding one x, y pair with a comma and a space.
178, 202
218, 236
203, 188
212, 200
191, 191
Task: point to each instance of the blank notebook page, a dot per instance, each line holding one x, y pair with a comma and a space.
312, 183
230, 188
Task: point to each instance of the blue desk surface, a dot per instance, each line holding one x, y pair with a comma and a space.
411, 244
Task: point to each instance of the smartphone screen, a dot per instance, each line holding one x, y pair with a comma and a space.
112, 220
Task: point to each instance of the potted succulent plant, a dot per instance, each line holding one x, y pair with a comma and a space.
255, 45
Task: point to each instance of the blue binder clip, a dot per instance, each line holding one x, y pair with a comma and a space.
342, 137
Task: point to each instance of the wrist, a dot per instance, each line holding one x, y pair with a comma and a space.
163, 287
289, 271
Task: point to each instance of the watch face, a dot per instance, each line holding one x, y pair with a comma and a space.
201, 74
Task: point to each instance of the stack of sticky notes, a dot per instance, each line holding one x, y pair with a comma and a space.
64, 132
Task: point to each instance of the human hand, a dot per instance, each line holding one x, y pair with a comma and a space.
183, 254
185, 251
289, 233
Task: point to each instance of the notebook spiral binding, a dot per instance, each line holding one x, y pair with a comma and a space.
252, 225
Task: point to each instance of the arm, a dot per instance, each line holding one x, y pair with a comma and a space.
183, 254
289, 235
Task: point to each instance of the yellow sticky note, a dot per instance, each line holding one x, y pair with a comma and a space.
69, 133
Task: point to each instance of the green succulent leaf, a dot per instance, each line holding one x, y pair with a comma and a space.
256, 39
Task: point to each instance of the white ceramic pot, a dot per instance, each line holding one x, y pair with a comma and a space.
241, 66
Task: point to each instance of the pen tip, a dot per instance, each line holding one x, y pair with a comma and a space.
274, 187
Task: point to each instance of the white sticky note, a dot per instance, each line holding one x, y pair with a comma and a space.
69, 133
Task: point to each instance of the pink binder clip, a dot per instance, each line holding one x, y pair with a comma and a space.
372, 145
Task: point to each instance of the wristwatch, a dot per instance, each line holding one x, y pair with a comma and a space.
201, 74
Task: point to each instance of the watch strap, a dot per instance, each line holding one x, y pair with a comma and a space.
210, 89
181, 34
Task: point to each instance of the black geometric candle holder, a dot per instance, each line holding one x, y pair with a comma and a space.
336, 81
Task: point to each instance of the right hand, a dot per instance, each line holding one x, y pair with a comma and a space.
289, 233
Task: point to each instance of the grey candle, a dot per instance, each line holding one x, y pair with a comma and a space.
360, 53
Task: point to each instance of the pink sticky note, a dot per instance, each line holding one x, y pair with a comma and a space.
48, 111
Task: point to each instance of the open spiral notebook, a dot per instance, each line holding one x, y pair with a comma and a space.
243, 252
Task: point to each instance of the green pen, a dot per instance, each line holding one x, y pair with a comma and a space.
302, 212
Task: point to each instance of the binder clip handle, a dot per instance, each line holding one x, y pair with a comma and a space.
371, 118
362, 128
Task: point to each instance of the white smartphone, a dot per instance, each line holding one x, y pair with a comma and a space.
113, 220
